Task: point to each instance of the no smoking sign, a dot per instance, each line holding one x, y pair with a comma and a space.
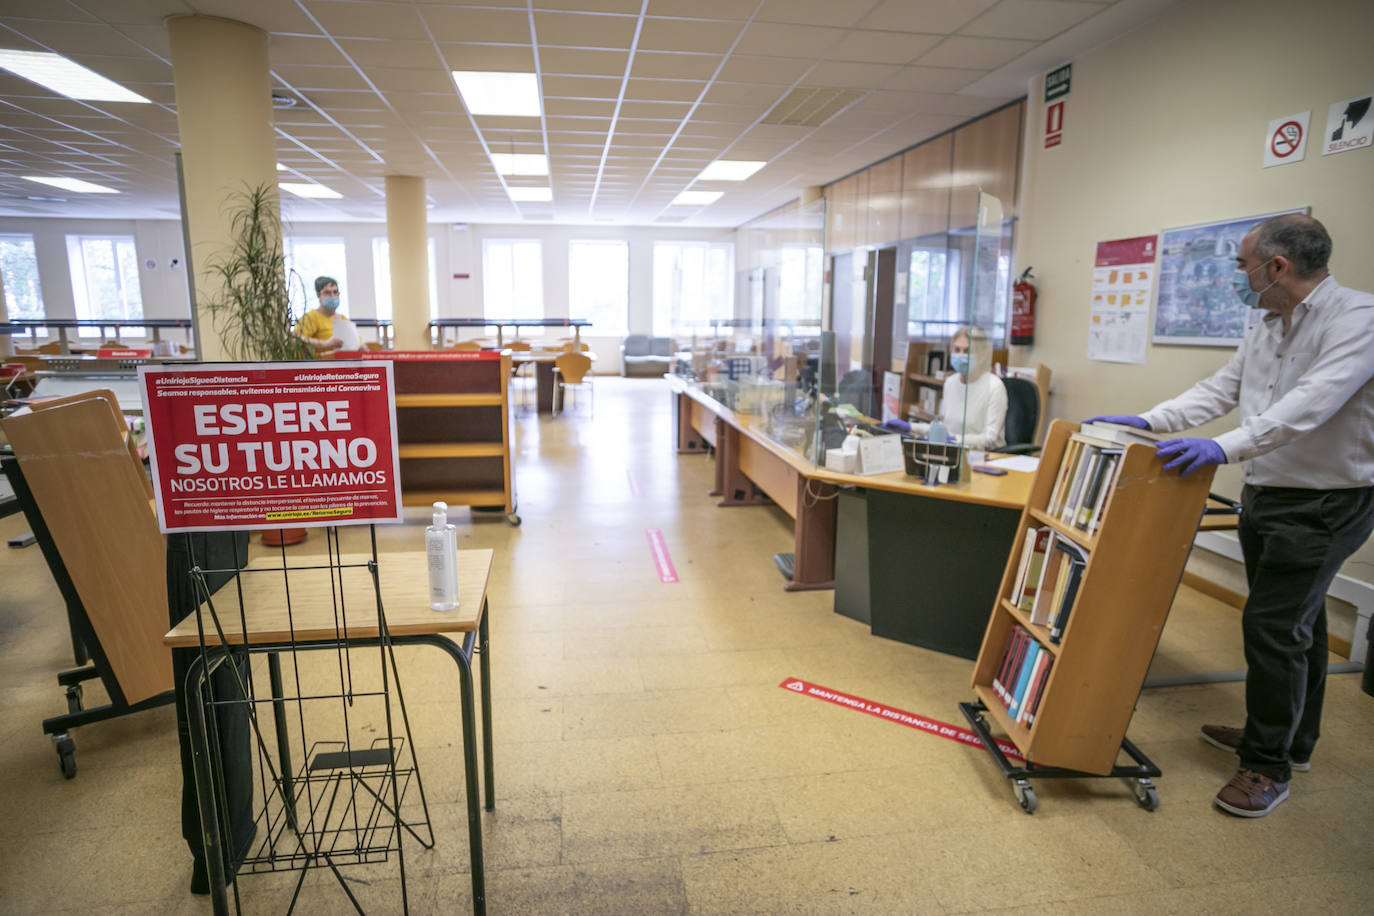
1286, 139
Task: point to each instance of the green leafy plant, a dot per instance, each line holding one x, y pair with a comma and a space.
252, 309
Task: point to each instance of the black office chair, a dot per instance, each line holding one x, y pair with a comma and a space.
1023, 417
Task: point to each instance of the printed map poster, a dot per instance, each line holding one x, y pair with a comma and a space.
1195, 303
237, 446
1119, 317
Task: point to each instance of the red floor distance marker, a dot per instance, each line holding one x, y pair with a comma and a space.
894, 715
664, 563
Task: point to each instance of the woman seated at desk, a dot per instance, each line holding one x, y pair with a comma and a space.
974, 412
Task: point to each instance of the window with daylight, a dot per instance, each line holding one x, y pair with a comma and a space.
104, 273
599, 285
799, 282
19, 271
513, 280
381, 274
308, 258
693, 285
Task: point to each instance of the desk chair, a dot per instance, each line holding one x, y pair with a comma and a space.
571, 370
1023, 417
521, 371
52, 348
465, 345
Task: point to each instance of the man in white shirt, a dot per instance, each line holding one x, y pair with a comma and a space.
1303, 380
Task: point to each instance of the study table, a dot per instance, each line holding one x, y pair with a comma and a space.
543, 362
931, 558
311, 623
440, 324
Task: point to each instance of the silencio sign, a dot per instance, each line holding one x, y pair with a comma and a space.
271, 445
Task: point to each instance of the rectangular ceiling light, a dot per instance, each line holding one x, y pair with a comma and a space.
697, 198
531, 195
521, 163
730, 170
309, 189
512, 95
71, 184
65, 76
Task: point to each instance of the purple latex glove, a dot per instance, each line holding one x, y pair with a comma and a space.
1190, 454
1121, 419
900, 426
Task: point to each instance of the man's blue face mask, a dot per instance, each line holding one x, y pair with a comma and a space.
1241, 281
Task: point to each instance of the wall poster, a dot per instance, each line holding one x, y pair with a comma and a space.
1119, 318
1195, 303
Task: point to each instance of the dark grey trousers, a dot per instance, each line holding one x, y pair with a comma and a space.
1294, 541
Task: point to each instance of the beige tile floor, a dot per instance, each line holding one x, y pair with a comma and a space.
647, 761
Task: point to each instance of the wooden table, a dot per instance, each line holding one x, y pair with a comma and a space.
311, 624
543, 362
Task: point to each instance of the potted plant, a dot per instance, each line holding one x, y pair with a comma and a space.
251, 309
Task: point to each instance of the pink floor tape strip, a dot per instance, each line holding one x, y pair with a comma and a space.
634, 484
666, 572
893, 714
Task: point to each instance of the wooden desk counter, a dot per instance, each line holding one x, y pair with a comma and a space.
405, 598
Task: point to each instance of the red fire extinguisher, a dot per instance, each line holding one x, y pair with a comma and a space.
1023, 310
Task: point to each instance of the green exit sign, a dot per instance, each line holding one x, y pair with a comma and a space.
1057, 82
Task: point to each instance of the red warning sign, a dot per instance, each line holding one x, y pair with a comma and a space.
895, 715
1054, 125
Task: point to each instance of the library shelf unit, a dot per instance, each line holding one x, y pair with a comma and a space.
453, 428
1135, 561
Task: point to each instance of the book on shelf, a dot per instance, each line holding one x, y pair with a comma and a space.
1021, 677
1074, 562
1123, 434
1033, 550
1087, 474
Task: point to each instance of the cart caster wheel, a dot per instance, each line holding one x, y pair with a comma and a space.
1146, 796
74, 698
513, 519
1026, 796
66, 754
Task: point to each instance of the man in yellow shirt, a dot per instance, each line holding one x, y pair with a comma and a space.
316, 326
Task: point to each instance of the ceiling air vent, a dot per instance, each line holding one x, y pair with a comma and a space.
808, 106
282, 100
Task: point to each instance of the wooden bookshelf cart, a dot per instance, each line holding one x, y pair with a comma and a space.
453, 428
1136, 559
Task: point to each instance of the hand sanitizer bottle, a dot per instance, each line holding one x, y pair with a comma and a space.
938, 433
441, 551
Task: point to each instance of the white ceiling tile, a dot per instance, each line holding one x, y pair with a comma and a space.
578, 107
881, 47
688, 35
660, 126
580, 124
303, 50
502, 58
664, 90
849, 75
741, 94
384, 53
777, 71
778, 40
659, 110
391, 79
680, 66
933, 16
306, 78
812, 12
582, 62
363, 19
73, 39
932, 79
457, 23
980, 53
581, 87
584, 30
701, 9
1033, 19
590, 6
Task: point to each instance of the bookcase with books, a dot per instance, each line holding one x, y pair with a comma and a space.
1087, 589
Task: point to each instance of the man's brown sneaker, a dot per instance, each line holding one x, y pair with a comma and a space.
1228, 739
1250, 794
